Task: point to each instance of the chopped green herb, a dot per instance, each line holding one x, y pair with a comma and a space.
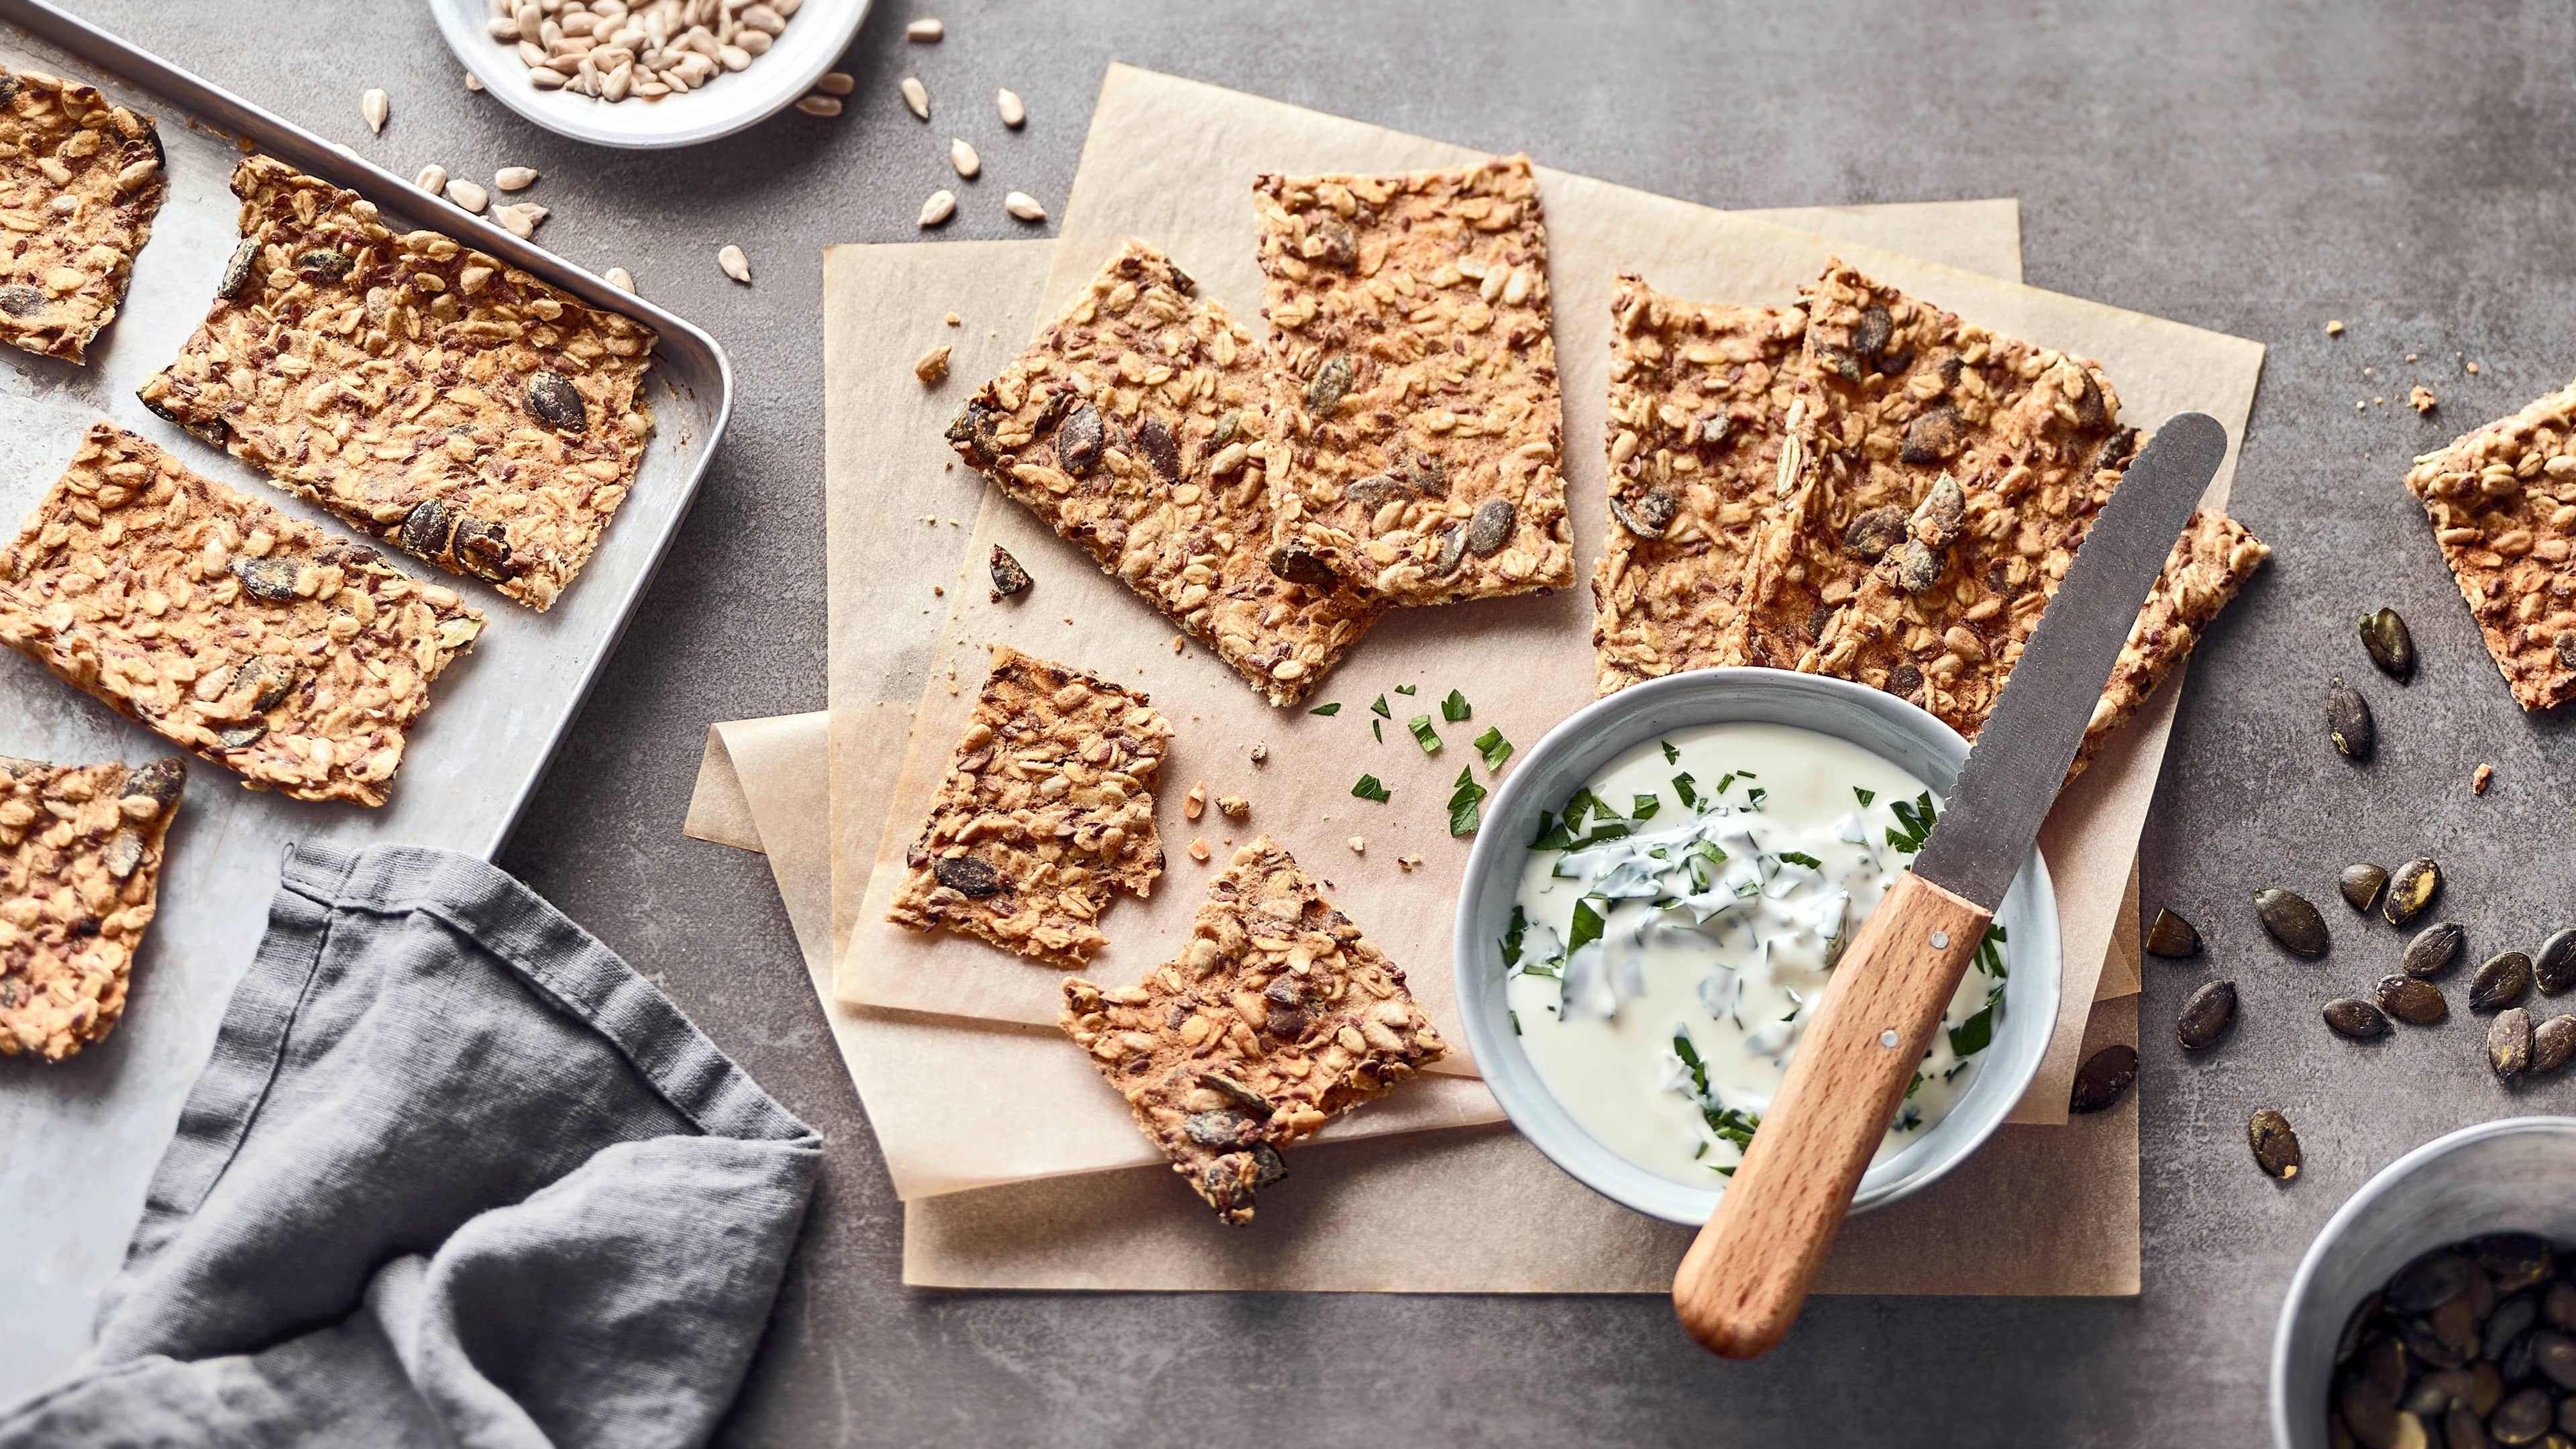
1671, 756
1581, 803
1543, 968
1800, 857
1369, 788
1463, 803
1377, 730
1733, 1125
1423, 735
1688, 789
1753, 798
1865, 795
1516, 1021
1689, 1054
1327, 709
1493, 747
1972, 1036
1990, 956
1587, 925
1725, 784
1512, 938
1552, 834
1454, 708
1705, 853
1404, 689
1606, 830
1914, 1086
1378, 707
1918, 817
1748, 774
1645, 807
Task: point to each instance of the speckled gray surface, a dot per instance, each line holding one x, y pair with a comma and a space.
2256, 169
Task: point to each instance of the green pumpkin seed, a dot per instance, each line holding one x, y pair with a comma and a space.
2172, 937
2553, 967
2434, 949
2509, 1048
2291, 921
2348, 722
2276, 1147
2412, 1000
2391, 647
2360, 885
2500, 982
1332, 383
2350, 1016
2105, 1078
2206, 1017
2410, 890
2552, 1043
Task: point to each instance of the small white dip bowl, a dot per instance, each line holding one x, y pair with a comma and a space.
1584, 745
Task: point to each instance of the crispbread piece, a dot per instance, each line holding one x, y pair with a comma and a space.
2502, 501
80, 862
80, 181
1277, 1017
1699, 400
1892, 393
2209, 563
451, 404
1126, 427
1048, 804
1417, 431
251, 638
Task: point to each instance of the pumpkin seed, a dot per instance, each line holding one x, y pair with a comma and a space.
21, 301
2429, 1281
2348, 722
124, 854
2276, 1147
2391, 647
2172, 937
1919, 565
2521, 1418
237, 271
2104, 1078
2206, 1016
1331, 384
1301, 565
967, 876
2291, 921
2410, 890
2412, 1000
2552, 1043
1079, 440
554, 400
1490, 527
2509, 1044
2434, 949
2500, 982
1873, 533
2511, 1320
2553, 969
160, 782
2350, 1016
2361, 885
1008, 577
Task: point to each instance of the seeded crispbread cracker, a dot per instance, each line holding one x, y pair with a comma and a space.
1048, 805
1699, 400
2209, 563
80, 182
1417, 438
1277, 1017
1893, 393
80, 863
2502, 502
249, 637
440, 398
1127, 427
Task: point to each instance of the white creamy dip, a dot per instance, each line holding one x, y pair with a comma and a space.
1679, 919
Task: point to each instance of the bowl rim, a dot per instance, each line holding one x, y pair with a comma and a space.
1514, 1083
461, 25
2380, 1184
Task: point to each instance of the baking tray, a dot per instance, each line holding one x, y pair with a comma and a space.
78, 1140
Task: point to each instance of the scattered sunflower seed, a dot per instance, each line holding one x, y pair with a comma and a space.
2412, 1000
2553, 968
1023, 206
837, 83
2501, 981
2360, 885
925, 31
468, 195
2206, 1016
2290, 920
963, 157
735, 264
2348, 722
2509, 1043
2552, 1043
819, 104
619, 278
1358, 846
432, 178
941, 206
2350, 1016
515, 178
1008, 577
2410, 890
2390, 645
1014, 114
473, 82
377, 109
2104, 1078
520, 220
916, 97
2434, 949
931, 366
2172, 937
2276, 1147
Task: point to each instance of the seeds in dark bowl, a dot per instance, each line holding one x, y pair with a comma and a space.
2350, 1016
2206, 1017
2276, 1147
2509, 1046
2172, 937
2522, 1418
2384, 636
2104, 1078
2552, 1043
2291, 921
2500, 981
2410, 890
2348, 722
2514, 1260
2553, 968
2412, 1000
2361, 885
2434, 948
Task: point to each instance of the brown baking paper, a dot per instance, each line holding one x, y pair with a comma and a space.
1167, 156
2038, 1210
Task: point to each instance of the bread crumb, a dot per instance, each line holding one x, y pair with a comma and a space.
2473, 369
932, 365
1358, 846
937, 591
2334, 327
1233, 807
1178, 644
2410, 357
1199, 850
956, 321
2478, 782
1194, 803
1260, 753
2421, 399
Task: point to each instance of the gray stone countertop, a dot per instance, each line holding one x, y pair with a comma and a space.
2256, 169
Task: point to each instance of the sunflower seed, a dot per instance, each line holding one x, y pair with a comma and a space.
619, 278
432, 178
2353, 1017
515, 178
2552, 1043
473, 82
820, 105
1023, 206
521, 220
963, 157
236, 271
2206, 1016
735, 264
2390, 646
925, 31
1014, 114
2104, 1078
2360, 885
2410, 890
1079, 440
916, 97
2276, 1147
2412, 1000
2172, 937
2348, 722
2509, 1047
931, 366
2434, 949
377, 109
468, 195
2501, 981
2290, 920
941, 206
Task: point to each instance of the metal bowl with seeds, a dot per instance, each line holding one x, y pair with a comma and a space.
1579, 748
806, 46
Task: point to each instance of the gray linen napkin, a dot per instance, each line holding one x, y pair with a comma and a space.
455, 1175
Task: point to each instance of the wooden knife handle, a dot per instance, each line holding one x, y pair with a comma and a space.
1740, 1286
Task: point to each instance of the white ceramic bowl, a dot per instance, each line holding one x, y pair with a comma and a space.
812, 42
1588, 741
2495, 1177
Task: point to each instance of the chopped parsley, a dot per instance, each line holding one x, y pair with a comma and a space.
1369, 788
1454, 708
1378, 707
1327, 710
1687, 788
1671, 756
1800, 857
1423, 735
1865, 796
1494, 748
1463, 808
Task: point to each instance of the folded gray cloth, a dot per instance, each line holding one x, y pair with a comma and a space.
455, 1175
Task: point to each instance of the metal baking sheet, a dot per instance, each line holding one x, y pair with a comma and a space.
78, 1140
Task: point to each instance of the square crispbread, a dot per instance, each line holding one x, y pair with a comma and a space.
1048, 805
1127, 427
1893, 393
2502, 502
2209, 563
249, 637
80, 864
437, 397
1417, 432
1699, 400
80, 182
1277, 1017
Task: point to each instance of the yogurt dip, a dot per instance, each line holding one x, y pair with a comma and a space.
1679, 919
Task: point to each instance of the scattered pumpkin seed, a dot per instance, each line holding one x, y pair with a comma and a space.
2390, 645
2500, 981
2410, 890
2171, 936
2552, 1043
2553, 969
2290, 920
2105, 1078
2348, 721
2361, 885
2206, 1016
2350, 1016
2434, 949
2509, 1055
2276, 1147
2412, 1000
1008, 577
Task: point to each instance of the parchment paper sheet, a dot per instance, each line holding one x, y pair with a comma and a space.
2038, 1210
1172, 160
